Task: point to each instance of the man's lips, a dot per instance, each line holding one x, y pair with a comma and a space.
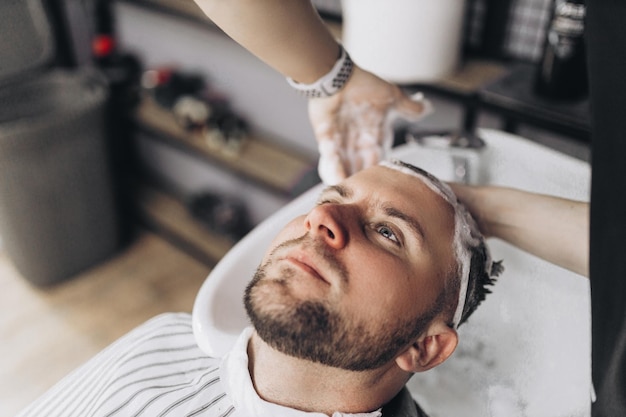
305, 264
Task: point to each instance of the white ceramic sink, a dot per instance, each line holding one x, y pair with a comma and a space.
525, 352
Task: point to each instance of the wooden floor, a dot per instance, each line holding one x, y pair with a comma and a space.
44, 334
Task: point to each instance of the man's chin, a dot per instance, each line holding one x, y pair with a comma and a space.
299, 330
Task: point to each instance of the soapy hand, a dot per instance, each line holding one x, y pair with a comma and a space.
354, 127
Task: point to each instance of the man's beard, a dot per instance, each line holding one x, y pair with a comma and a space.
315, 330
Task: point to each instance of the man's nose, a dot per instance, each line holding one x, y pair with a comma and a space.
327, 222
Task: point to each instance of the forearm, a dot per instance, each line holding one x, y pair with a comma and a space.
552, 228
288, 35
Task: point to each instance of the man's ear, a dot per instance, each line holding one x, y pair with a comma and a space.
430, 349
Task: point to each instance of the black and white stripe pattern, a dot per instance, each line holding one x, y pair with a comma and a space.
330, 83
155, 370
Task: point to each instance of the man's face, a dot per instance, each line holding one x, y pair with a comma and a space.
350, 283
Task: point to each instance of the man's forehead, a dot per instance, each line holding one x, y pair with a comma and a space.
413, 182
384, 187
377, 180
424, 177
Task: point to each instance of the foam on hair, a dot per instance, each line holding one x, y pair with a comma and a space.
467, 236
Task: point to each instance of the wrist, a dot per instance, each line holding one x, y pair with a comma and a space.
498, 210
329, 83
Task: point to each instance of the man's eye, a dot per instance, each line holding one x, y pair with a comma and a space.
388, 233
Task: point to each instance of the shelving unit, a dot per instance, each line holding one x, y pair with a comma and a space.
260, 161
167, 215
276, 169
267, 165
512, 98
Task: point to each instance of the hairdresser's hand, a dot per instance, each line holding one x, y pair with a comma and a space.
552, 228
475, 199
354, 127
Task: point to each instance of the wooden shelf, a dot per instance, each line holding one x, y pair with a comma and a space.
464, 83
259, 160
473, 75
513, 98
167, 215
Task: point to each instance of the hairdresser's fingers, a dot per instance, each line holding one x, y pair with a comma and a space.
354, 127
412, 108
374, 139
350, 138
330, 167
330, 131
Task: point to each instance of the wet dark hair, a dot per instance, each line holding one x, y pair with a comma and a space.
479, 280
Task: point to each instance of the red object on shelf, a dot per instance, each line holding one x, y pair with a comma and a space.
103, 45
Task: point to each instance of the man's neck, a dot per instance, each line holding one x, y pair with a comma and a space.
312, 387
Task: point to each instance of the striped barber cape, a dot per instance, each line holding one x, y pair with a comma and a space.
158, 370
155, 370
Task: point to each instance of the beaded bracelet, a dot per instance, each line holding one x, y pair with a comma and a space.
330, 83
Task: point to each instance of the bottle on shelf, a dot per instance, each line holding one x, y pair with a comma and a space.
562, 71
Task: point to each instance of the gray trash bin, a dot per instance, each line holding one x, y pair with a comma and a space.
57, 209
